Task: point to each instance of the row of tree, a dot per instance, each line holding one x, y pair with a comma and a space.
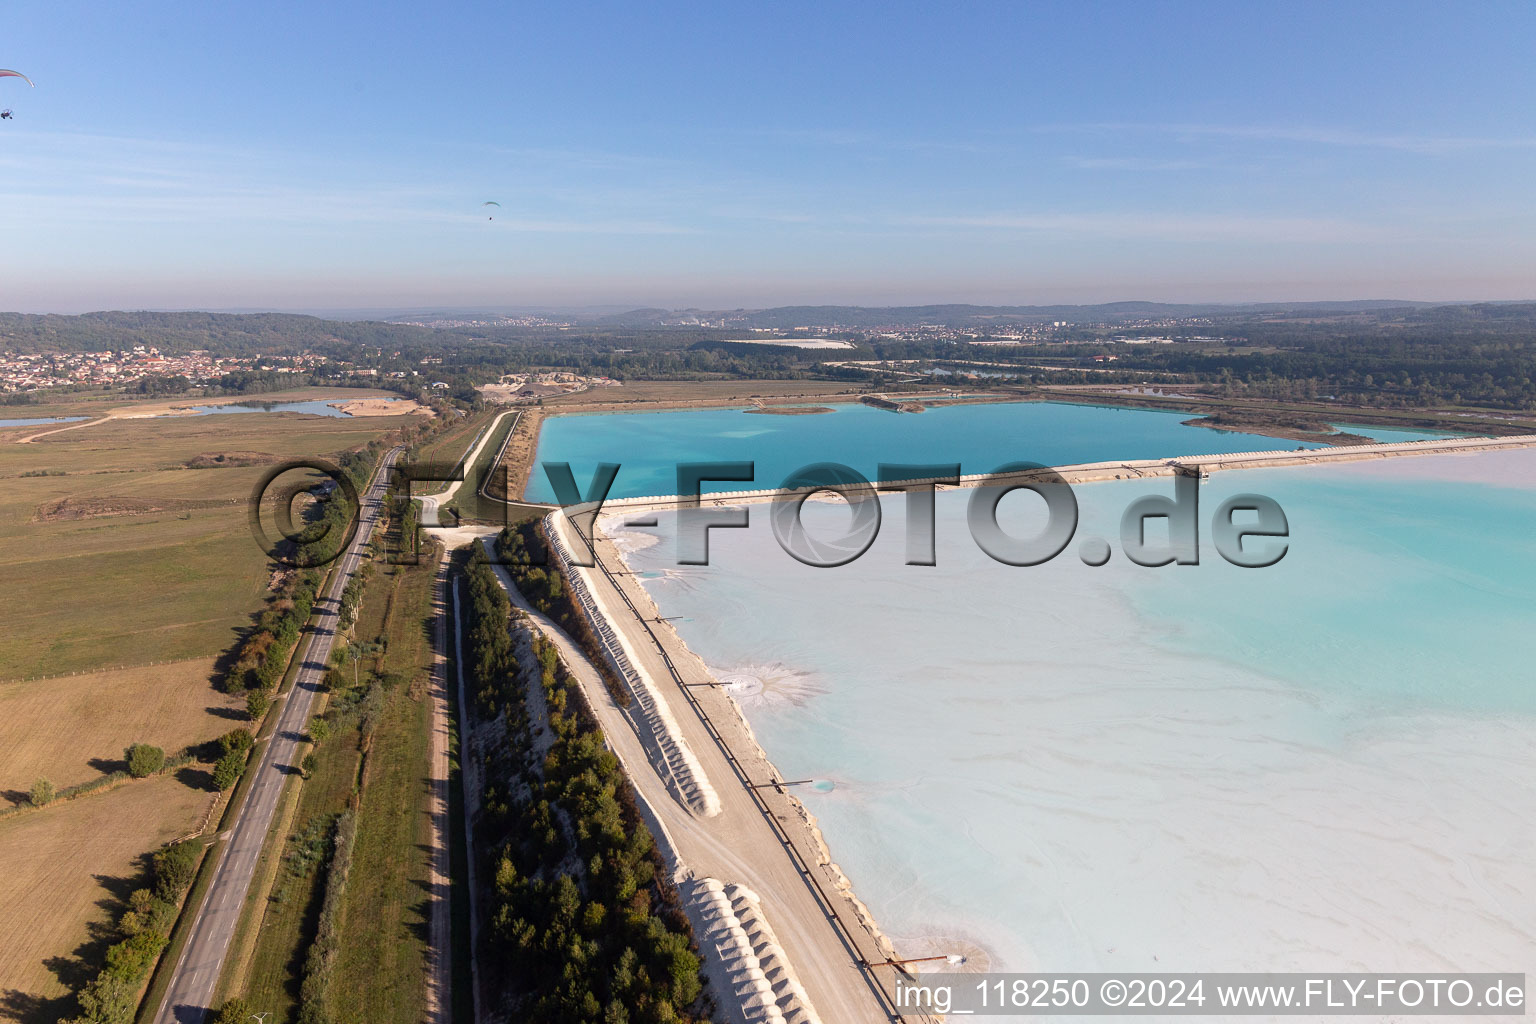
579, 905
143, 929
525, 550
263, 655
142, 759
320, 962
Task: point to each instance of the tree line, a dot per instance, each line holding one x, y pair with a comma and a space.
144, 928
524, 549
579, 903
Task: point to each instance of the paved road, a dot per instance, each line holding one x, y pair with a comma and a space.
190, 995
431, 502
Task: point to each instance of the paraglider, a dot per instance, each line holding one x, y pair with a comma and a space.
5, 115
490, 203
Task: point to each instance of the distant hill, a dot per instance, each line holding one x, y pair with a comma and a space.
966, 315
229, 333
286, 333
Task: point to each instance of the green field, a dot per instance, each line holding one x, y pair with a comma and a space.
138, 573
382, 970
285, 913
468, 500
450, 445
145, 560
384, 924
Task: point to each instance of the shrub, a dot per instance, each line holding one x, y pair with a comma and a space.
109, 999
256, 704
175, 868
320, 962
229, 769
133, 957
144, 760
41, 793
236, 1011
236, 740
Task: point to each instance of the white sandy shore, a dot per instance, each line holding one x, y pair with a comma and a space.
612, 530
676, 759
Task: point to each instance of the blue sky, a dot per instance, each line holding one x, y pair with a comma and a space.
327, 156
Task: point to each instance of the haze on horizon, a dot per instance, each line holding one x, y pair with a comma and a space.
691, 155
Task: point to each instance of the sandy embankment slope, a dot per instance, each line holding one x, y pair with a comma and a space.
382, 407
671, 755
817, 938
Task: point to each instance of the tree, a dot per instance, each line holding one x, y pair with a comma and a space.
309, 764
175, 868
236, 739
229, 769
236, 1011
109, 999
41, 793
133, 958
144, 760
256, 704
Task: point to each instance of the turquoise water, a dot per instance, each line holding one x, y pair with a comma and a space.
1323, 765
40, 419
1387, 435
649, 445
1402, 592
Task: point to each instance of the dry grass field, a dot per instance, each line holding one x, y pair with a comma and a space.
66, 871
450, 444
73, 729
120, 554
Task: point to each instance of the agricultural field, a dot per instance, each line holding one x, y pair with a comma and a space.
57, 920
131, 572
172, 706
99, 516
